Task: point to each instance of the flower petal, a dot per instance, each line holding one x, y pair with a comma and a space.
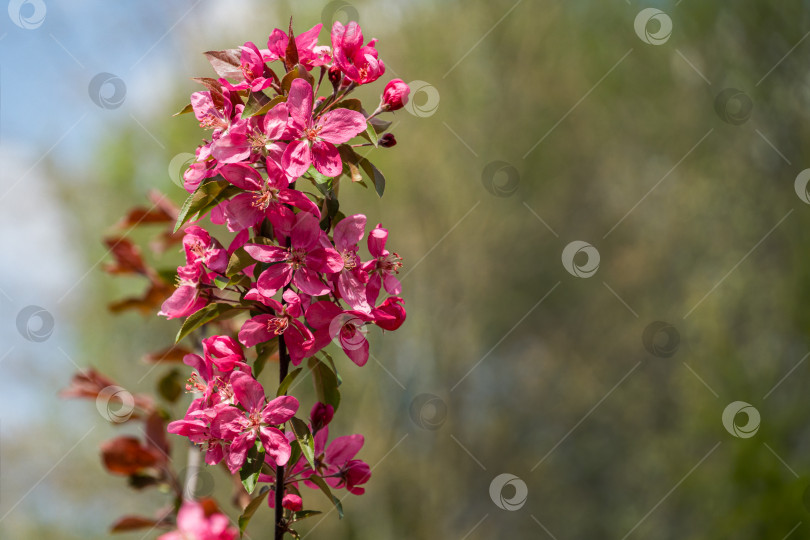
340, 125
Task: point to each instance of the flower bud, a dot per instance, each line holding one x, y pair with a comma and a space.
292, 502
321, 415
395, 95
335, 76
387, 141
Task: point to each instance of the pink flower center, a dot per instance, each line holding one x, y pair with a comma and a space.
391, 263
278, 325
254, 420
312, 133
248, 73
257, 140
195, 384
298, 258
211, 121
262, 200
349, 259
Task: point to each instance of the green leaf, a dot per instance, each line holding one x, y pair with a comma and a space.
249, 473
170, 386
320, 179
331, 361
239, 261
352, 104
288, 380
374, 174
259, 103
304, 438
295, 452
205, 315
185, 110
326, 383
370, 134
298, 72
379, 124
303, 514
208, 191
265, 351
251, 508
318, 481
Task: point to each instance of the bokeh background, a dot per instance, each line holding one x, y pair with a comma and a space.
671, 142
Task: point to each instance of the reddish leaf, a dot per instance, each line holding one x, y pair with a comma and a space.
133, 523
175, 353
126, 456
291, 55
87, 384
226, 63
215, 88
148, 303
127, 257
156, 435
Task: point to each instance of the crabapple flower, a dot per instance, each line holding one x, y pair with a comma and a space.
186, 299
200, 247
253, 70
257, 420
347, 328
359, 63
263, 328
395, 95
351, 281
336, 464
390, 314
383, 268
261, 198
193, 524
315, 140
309, 53
224, 353
300, 263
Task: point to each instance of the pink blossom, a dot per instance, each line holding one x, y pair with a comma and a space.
253, 69
262, 198
263, 328
301, 263
315, 140
383, 268
186, 298
200, 247
309, 53
395, 95
336, 464
346, 328
359, 63
224, 352
193, 524
390, 314
351, 280
257, 420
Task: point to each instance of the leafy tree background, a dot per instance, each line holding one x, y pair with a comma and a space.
475, 264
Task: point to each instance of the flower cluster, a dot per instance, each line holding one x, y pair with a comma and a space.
273, 270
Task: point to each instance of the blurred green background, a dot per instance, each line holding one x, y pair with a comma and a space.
539, 123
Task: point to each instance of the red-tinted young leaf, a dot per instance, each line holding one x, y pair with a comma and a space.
215, 88
86, 384
291, 55
175, 353
148, 303
227, 63
133, 523
155, 431
126, 456
127, 257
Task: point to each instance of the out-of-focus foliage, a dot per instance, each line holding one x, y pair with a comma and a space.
626, 442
